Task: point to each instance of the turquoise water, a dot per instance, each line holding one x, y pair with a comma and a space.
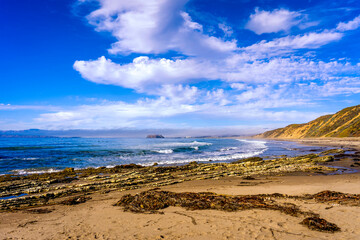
36, 155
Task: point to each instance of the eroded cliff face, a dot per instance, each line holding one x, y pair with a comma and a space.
345, 123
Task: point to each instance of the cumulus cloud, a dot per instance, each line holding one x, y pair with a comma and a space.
272, 21
158, 77
179, 93
255, 79
142, 72
179, 32
155, 26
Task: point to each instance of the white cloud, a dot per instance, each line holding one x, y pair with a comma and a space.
262, 77
155, 26
351, 25
142, 72
218, 96
238, 86
271, 22
251, 94
150, 113
27, 107
189, 23
336, 86
255, 63
282, 45
179, 93
284, 70
115, 115
155, 76
228, 31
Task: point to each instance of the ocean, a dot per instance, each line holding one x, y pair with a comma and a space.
38, 155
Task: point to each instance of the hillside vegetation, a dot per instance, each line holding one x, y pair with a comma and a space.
345, 123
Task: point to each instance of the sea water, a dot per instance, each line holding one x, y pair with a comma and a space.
38, 155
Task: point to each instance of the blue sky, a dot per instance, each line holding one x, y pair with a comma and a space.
242, 66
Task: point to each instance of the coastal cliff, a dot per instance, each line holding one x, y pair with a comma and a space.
345, 123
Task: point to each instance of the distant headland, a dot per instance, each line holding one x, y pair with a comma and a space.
345, 123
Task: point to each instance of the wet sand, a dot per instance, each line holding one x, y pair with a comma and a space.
329, 142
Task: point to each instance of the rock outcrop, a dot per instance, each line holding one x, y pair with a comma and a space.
155, 136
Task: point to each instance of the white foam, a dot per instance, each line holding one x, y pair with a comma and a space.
164, 151
25, 172
228, 149
30, 158
208, 159
254, 142
183, 144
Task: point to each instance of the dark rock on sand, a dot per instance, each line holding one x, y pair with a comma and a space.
75, 200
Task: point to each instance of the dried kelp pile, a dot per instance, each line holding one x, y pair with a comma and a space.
154, 200
335, 197
323, 197
320, 224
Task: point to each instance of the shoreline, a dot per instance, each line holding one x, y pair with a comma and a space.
228, 159
45, 215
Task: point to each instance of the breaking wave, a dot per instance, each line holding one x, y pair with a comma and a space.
34, 171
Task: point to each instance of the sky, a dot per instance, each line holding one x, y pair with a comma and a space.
239, 65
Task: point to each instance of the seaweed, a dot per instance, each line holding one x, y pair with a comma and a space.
320, 224
152, 201
335, 197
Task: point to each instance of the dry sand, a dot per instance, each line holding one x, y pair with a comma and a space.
99, 219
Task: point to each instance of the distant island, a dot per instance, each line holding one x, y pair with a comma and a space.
345, 123
155, 136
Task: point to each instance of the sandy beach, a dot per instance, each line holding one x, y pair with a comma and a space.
98, 218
